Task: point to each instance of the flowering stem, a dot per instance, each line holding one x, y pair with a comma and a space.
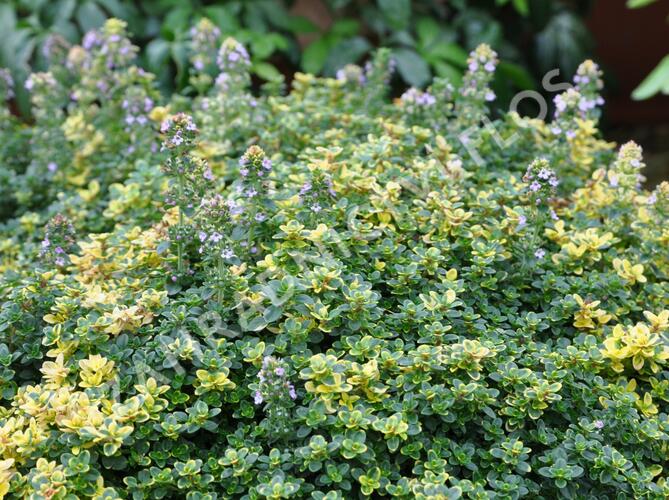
221, 269
180, 230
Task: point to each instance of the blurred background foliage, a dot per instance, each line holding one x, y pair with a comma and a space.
658, 79
428, 37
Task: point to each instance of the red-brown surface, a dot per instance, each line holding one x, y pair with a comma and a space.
628, 44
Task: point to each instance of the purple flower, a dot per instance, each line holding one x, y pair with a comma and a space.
522, 220
260, 217
544, 173
490, 96
535, 186
267, 164
599, 424
489, 66
227, 253
52, 167
553, 181
473, 66
560, 103
257, 398
279, 371
316, 208
291, 392
540, 253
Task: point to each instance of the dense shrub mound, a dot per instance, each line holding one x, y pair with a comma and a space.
325, 294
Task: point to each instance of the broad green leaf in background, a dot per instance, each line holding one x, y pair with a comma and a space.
266, 71
450, 52
90, 16
635, 4
412, 67
223, 18
447, 70
428, 31
563, 43
520, 77
521, 6
656, 81
396, 12
345, 27
157, 53
314, 56
346, 52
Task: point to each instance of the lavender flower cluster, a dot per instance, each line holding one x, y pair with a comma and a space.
232, 55
580, 102
204, 42
316, 194
588, 80
214, 221
55, 48
351, 73
137, 106
481, 66
59, 240
273, 387
254, 168
541, 181
191, 176
234, 62
110, 45
414, 99
626, 170
179, 131
44, 91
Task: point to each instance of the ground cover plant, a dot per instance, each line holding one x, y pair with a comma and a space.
324, 293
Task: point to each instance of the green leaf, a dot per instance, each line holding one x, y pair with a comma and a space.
176, 22
522, 7
59, 11
300, 24
396, 12
262, 47
157, 53
90, 16
345, 27
314, 56
446, 70
637, 4
656, 81
428, 31
266, 71
450, 52
412, 68
346, 52
223, 18
520, 77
